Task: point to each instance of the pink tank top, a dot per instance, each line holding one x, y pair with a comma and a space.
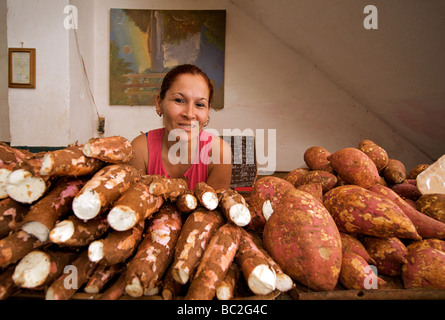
198, 171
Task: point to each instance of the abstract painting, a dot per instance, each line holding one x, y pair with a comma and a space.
146, 44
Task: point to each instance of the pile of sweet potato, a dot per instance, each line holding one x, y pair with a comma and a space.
353, 219
386, 233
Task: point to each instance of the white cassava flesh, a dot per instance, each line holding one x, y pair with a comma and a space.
240, 214
96, 251
191, 201
62, 231
32, 270
37, 229
122, 218
223, 293
284, 282
262, 280
47, 164
210, 200
87, 205
23, 187
4, 173
134, 288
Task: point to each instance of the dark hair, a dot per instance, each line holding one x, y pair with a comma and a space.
171, 76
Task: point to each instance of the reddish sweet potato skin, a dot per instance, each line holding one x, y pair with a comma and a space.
395, 171
358, 210
355, 167
433, 205
425, 269
355, 273
389, 254
350, 243
316, 158
376, 153
303, 239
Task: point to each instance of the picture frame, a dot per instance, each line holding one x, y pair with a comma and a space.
22, 68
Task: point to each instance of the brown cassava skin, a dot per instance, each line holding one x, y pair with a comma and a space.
58, 261
168, 188
156, 250
326, 179
10, 154
55, 204
15, 246
226, 288
7, 286
425, 269
202, 188
294, 176
394, 172
416, 170
302, 238
227, 199
84, 233
186, 202
268, 188
389, 254
115, 149
350, 243
376, 153
11, 215
257, 219
69, 161
316, 158
355, 167
358, 210
116, 290
433, 205
109, 183
215, 262
102, 275
426, 226
195, 235
59, 290
356, 274
170, 287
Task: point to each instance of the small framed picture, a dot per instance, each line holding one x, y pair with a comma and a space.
22, 68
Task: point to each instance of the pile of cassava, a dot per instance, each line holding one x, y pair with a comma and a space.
82, 220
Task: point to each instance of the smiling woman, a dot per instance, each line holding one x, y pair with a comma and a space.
182, 149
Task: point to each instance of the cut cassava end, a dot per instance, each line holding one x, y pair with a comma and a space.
134, 206
234, 207
261, 278
226, 288
24, 187
74, 232
39, 268
206, 195
69, 161
115, 149
102, 275
186, 202
4, 173
105, 187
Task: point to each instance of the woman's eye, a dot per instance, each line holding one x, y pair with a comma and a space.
178, 100
200, 105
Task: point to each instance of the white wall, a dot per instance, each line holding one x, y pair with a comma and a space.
267, 86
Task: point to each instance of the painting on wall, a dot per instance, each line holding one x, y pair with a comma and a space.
146, 44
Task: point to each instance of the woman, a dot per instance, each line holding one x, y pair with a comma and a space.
181, 149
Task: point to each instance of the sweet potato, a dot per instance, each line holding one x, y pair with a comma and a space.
429, 243
358, 210
294, 176
356, 274
350, 243
315, 189
407, 190
389, 254
426, 226
266, 192
302, 238
417, 170
425, 269
433, 205
394, 172
355, 167
326, 179
375, 152
316, 158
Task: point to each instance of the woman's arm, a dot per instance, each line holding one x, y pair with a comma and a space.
220, 167
140, 158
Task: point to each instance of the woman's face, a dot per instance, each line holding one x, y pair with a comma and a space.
185, 106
